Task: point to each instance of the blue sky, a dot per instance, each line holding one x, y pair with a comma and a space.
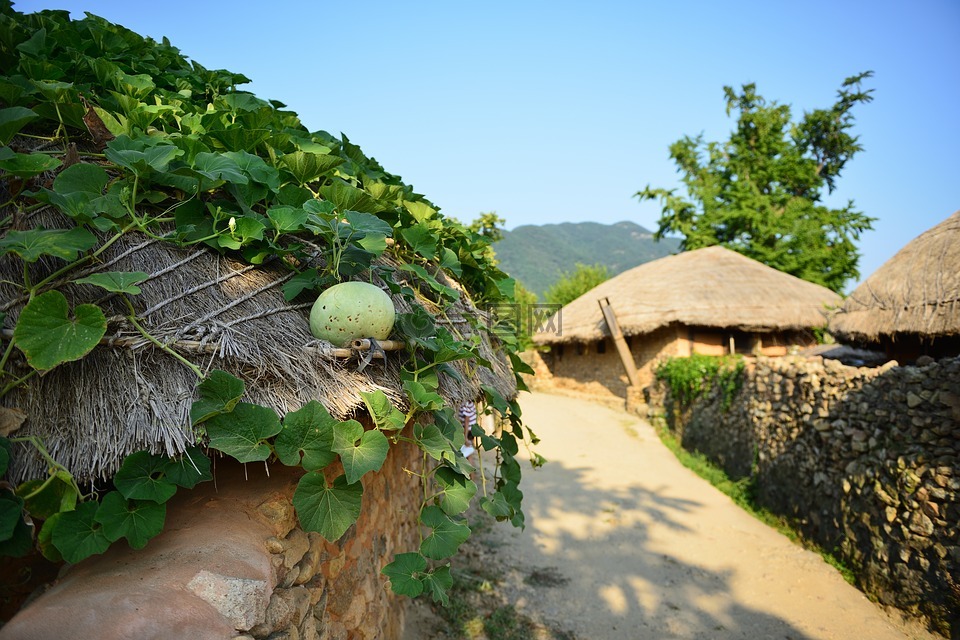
560, 111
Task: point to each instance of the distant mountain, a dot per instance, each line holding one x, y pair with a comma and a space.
536, 255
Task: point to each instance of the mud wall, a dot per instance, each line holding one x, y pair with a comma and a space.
865, 461
233, 564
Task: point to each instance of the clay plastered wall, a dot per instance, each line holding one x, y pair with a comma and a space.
232, 563
867, 461
602, 374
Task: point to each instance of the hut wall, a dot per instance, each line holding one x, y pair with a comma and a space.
864, 461
232, 562
595, 368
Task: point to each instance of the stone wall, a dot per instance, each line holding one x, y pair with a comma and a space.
865, 461
232, 563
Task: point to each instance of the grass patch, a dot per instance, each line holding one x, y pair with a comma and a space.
469, 614
743, 494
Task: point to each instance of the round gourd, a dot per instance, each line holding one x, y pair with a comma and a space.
352, 310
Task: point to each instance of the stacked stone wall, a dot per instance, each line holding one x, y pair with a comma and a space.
334, 590
865, 461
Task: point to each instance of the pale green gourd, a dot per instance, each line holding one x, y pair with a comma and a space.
352, 310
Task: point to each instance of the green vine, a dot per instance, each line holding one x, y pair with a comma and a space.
690, 377
144, 141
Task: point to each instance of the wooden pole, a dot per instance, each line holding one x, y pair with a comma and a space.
625, 356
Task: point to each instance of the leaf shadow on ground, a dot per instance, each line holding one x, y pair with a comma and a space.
597, 575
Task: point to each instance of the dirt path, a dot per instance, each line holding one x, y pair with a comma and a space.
622, 542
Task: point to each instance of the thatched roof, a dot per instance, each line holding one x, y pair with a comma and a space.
128, 395
711, 287
917, 291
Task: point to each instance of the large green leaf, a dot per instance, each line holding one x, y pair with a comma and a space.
141, 476
117, 281
217, 166
386, 416
346, 197
135, 520
360, 451
456, 491
404, 573
438, 584
12, 120
189, 469
431, 440
307, 432
4, 445
243, 432
421, 211
421, 397
367, 224
11, 509
60, 243
446, 536
27, 165
139, 157
256, 168
81, 178
78, 535
43, 498
287, 219
329, 511
45, 539
20, 541
421, 239
48, 336
219, 393
306, 167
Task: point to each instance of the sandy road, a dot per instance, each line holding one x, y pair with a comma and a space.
622, 542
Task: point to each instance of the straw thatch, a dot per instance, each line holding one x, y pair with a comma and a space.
128, 395
711, 287
916, 292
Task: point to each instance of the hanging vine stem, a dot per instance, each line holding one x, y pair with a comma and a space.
146, 334
61, 471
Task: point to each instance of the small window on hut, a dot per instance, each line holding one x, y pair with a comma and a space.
601, 346
581, 349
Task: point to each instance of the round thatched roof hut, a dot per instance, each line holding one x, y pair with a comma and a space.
711, 287
912, 299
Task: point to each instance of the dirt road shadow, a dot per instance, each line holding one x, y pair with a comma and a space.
587, 565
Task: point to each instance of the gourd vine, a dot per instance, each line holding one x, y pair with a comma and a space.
112, 136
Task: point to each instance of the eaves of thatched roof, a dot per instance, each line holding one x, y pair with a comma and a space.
127, 395
711, 287
917, 291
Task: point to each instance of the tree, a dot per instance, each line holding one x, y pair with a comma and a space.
526, 299
760, 193
573, 284
489, 225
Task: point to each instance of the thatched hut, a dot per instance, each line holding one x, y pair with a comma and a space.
129, 395
712, 301
910, 306
163, 237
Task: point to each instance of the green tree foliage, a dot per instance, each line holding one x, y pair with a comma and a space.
573, 284
526, 299
489, 225
760, 193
